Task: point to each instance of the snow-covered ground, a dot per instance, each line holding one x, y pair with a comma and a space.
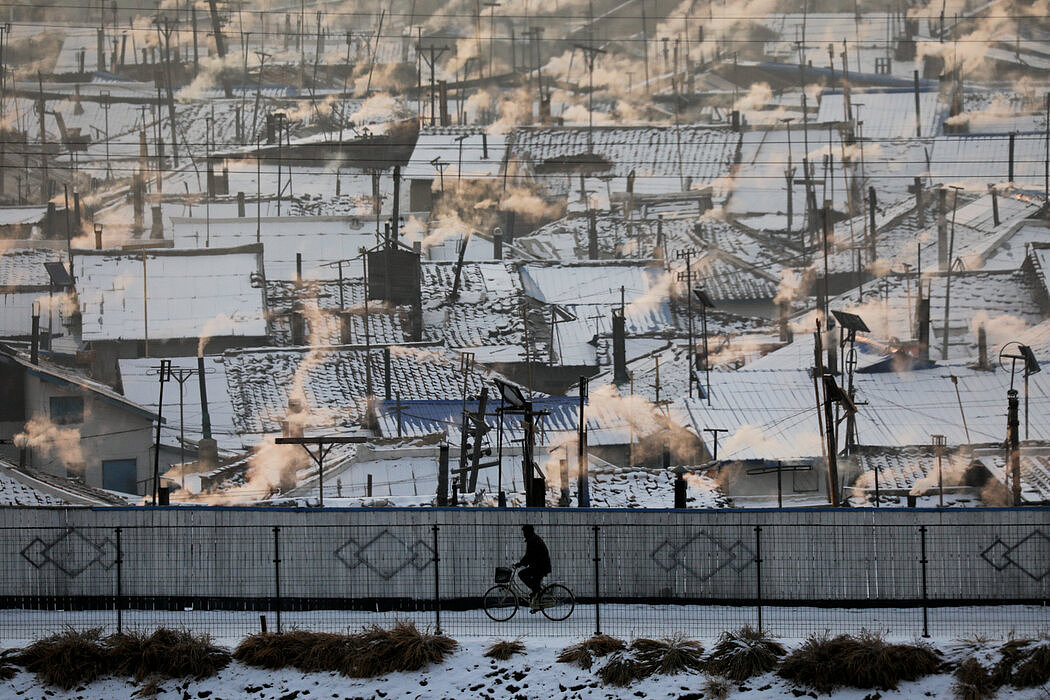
536, 674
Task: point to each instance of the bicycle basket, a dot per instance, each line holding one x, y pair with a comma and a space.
503, 574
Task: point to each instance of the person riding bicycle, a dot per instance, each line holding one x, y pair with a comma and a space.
536, 563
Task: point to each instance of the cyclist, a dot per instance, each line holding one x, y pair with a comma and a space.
536, 562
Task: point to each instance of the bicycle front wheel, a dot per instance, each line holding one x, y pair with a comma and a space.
500, 603
557, 602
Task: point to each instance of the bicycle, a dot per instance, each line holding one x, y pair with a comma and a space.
501, 601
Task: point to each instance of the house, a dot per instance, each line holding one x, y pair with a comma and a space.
57, 422
160, 302
449, 154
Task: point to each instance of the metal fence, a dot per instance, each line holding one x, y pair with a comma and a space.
792, 579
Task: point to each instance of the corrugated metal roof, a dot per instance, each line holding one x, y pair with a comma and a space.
773, 414
468, 157
606, 424
887, 114
190, 294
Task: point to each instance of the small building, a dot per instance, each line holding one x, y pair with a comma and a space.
57, 422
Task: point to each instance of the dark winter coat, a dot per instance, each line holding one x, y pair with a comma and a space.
536, 556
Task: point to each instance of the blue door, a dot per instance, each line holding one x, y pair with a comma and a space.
119, 475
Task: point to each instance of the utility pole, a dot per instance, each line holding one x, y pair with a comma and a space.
948, 279
590, 54
220, 48
435, 53
583, 490
687, 277
165, 28
163, 372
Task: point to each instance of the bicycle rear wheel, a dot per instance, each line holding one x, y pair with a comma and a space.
500, 603
557, 602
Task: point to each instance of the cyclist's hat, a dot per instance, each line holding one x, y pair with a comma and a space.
527, 529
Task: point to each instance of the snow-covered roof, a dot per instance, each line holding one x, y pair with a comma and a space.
466, 151
980, 159
608, 423
887, 113
13, 216
487, 313
319, 240
24, 267
660, 156
213, 292
138, 379
589, 283
773, 414
333, 381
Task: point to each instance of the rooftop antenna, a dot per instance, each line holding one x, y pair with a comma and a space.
849, 325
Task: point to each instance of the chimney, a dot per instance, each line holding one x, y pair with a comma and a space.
508, 230
833, 348
76, 210
446, 120
734, 120
211, 179
207, 448
396, 204
484, 145
386, 373
920, 210
982, 348
298, 324
995, 205
240, 205
34, 347
49, 221
619, 347
157, 222
1010, 173
785, 311
942, 228
923, 317
98, 236
345, 324
592, 235
100, 49
298, 267
137, 200
497, 243
918, 118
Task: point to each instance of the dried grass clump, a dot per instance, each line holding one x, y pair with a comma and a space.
503, 649
1034, 669
872, 663
621, 670
973, 681
583, 653
166, 653
1011, 654
815, 663
717, 687
373, 651
378, 652
865, 661
745, 653
67, 659
7, 667
669, 656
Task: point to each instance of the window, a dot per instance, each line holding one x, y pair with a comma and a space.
119, 475
66, 410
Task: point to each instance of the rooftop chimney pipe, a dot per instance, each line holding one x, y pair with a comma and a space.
619, 347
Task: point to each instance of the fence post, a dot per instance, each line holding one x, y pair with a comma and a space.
597, 588
922, 562
120, 588
758, 572
277, 576
437, 583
